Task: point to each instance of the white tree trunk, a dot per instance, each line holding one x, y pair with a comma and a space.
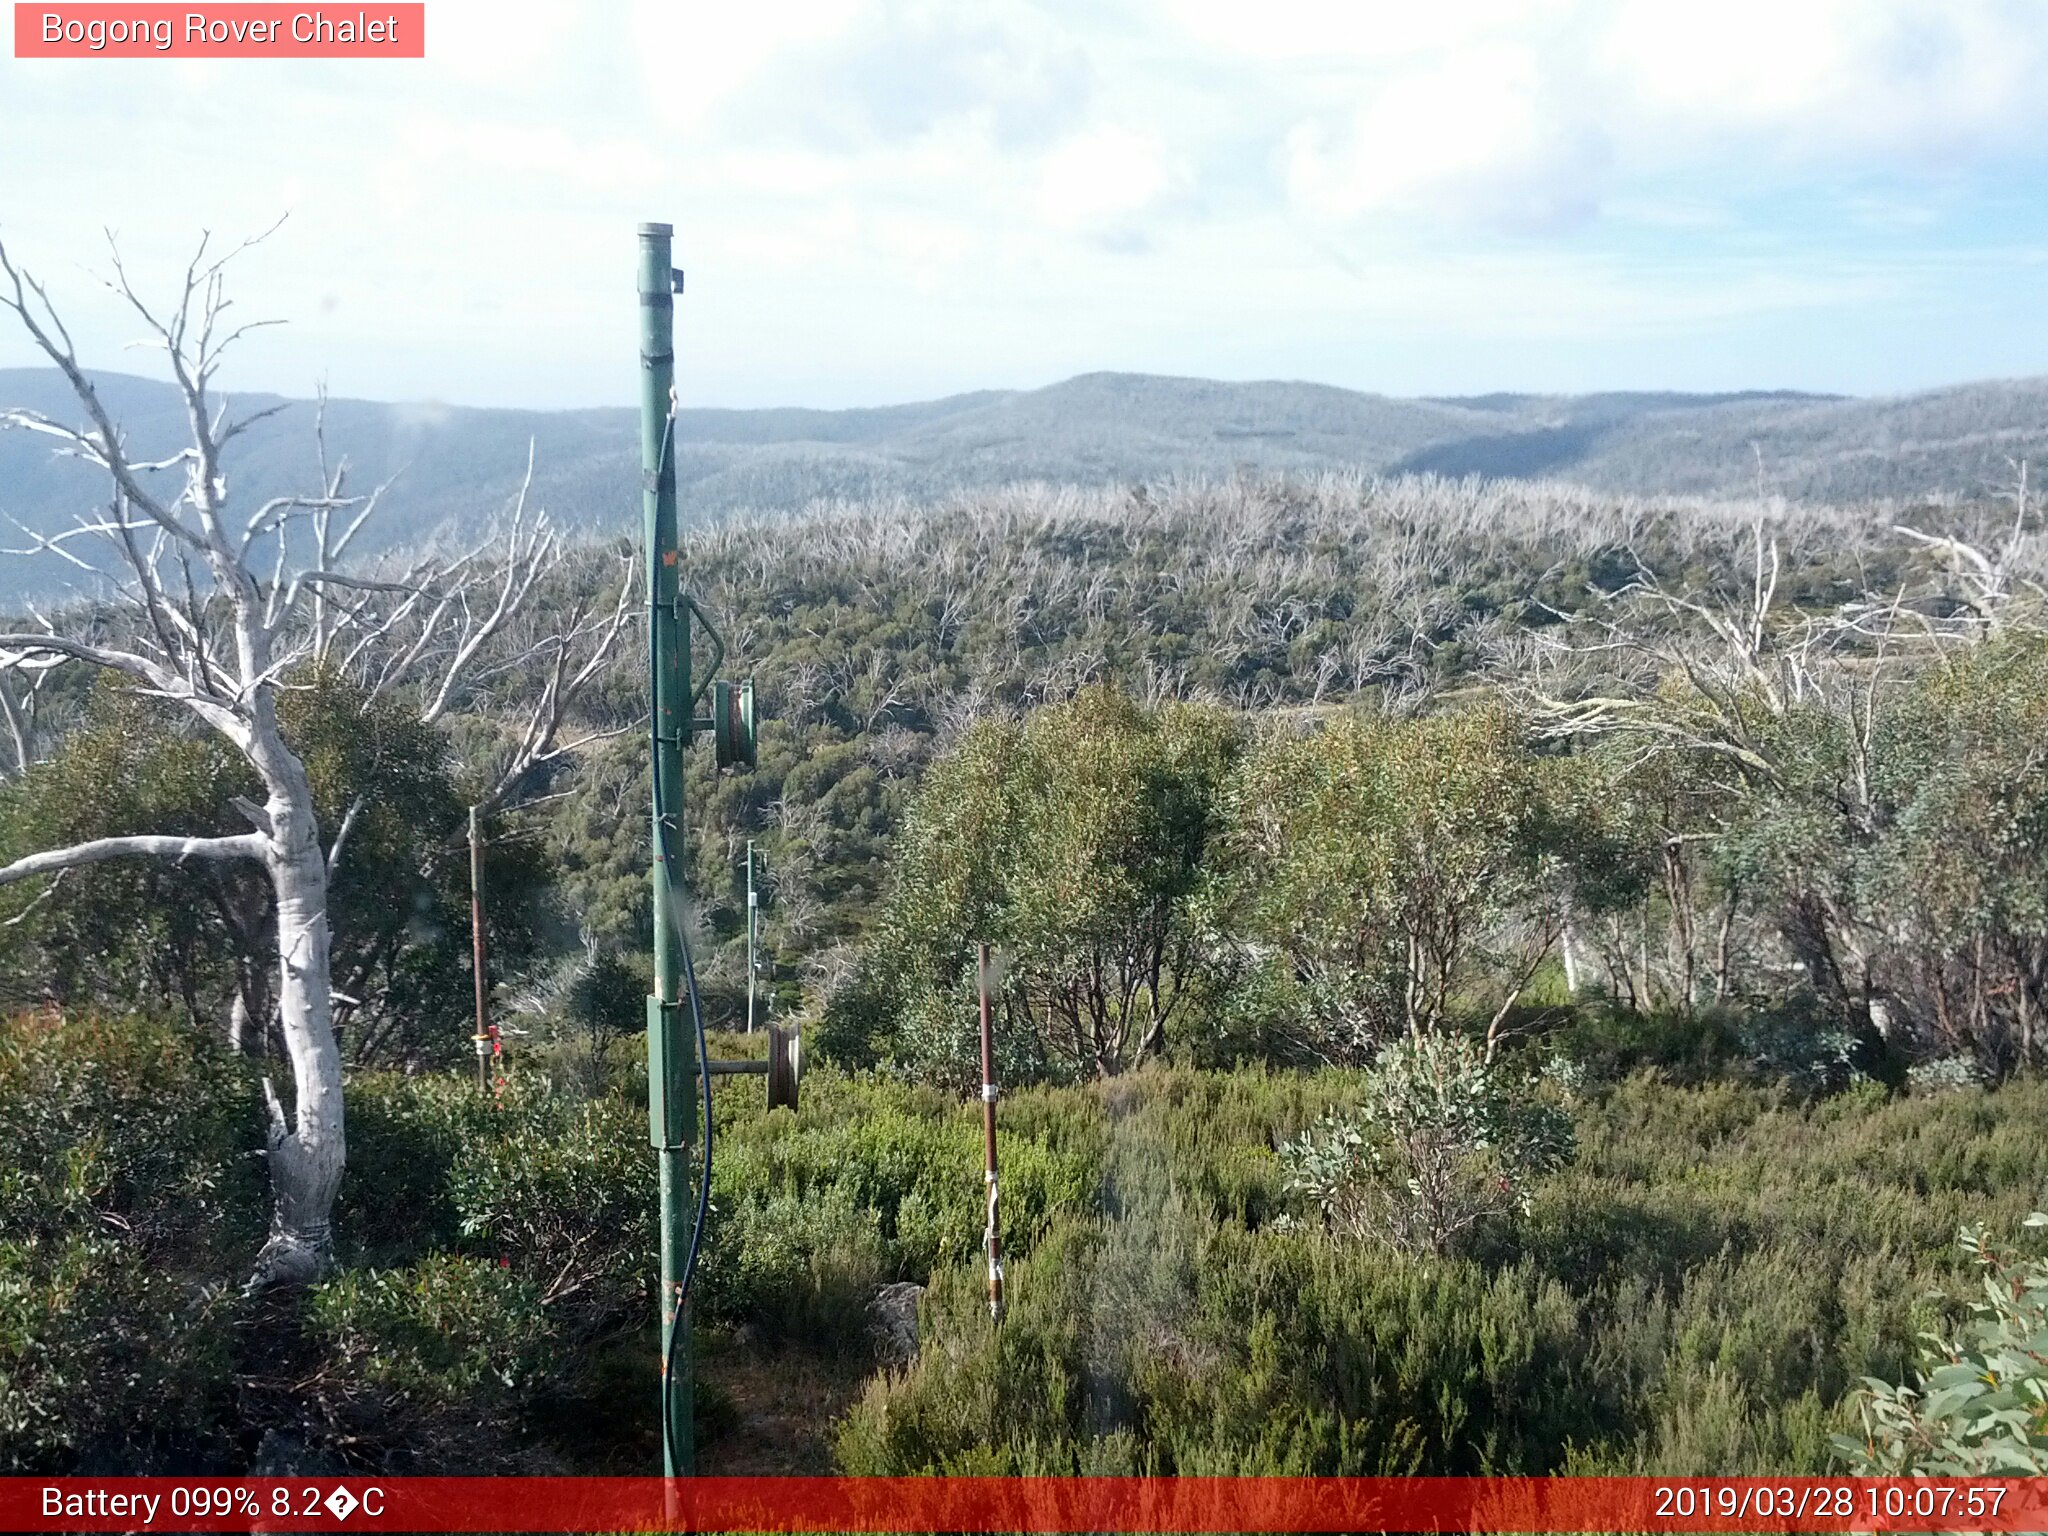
309, 1148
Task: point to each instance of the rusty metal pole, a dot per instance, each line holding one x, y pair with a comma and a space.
988, 1137
482, 1040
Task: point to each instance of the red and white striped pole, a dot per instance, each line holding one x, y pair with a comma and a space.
988, 1131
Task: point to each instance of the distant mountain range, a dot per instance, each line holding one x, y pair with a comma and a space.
456, 467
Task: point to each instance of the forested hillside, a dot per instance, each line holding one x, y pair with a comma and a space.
453, 466
1657, 882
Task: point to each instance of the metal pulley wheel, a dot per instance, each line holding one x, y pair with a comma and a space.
732, 724
785, 1065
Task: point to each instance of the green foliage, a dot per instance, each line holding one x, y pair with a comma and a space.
1645, 857
1152, 881
1898, 851
399, 899
1657, 1310
1392, 869
549, 1181
561, 1193
1370, 878
132, 933
1340, 815
127, 933
1688, 877
569, 1014
441, 1358
874, 1181
500, 1250
1982, 1406
879, 634
1440, 1141
126, 1189
1075, 844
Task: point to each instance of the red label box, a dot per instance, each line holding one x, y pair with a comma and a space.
108, 29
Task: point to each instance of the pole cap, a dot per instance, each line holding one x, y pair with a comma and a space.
657, 231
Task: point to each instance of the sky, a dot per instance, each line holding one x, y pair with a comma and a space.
885, 200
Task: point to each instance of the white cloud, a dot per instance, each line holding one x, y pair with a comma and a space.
1486, 134
1531, 118
1104, 175
1824, 79
872, 192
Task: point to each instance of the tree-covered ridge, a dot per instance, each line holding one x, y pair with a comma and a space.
880, 635
453, 463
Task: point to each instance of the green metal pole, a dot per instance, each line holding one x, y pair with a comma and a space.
753, 907
671, 1073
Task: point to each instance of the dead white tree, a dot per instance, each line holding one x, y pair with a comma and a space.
1701, 673
19, 696
1993, 581
216, 609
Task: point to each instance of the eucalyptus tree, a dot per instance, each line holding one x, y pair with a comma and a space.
1396, 871
1860, 769
219, 607
1075, 843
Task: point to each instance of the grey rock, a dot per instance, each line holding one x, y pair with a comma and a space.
284, 1454
892, 1322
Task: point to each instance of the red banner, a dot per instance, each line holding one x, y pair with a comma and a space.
235, 31
1062, 1504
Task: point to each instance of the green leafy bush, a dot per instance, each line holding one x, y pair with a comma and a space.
1657, 1310
1393, 872
875, 1180
1441, 1140
128, 1193
436, 1362
1981, 1409
1653, 1307
1074, 843
562, 1191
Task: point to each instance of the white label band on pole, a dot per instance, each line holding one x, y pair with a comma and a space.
988, 1093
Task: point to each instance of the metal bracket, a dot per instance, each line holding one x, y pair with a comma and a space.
717, 648
783, 1066
671, 1078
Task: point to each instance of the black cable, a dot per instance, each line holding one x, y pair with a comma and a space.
675, 914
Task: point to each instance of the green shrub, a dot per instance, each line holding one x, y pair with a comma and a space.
1655, 1306
1657, 1310
127, 1194
1171, 1346
1442, 1140
1981, 1409
558, 1185
405, 1136
562, 1190
795, 1267
435, 1364
105, 1358
1611, 1042
875, 1180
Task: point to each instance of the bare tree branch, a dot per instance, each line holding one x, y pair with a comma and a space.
247, 845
